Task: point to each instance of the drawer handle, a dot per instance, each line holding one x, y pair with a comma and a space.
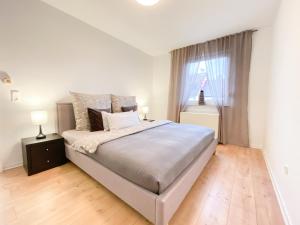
48, 161
47, 149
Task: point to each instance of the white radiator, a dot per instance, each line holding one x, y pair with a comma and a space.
207, 116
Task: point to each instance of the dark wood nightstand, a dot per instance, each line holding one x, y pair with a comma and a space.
42, 154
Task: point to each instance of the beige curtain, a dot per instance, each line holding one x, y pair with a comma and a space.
228, 64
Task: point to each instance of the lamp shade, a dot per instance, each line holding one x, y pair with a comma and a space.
145, 109
39, 117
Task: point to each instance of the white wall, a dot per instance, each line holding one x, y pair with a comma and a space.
258, 86
47, 53
260, 69
283, 114
161, 78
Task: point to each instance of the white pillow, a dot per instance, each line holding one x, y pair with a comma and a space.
105, 120
121, 120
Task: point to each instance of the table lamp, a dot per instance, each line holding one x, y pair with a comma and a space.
145, 110
39, 118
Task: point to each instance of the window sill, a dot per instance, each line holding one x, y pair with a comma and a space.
206, 109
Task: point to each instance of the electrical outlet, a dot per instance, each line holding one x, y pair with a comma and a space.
286, 169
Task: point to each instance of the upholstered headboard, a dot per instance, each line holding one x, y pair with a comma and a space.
65, 117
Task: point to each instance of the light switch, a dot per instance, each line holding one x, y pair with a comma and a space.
14, 95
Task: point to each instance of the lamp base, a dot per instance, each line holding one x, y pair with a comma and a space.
145, 117
40, 135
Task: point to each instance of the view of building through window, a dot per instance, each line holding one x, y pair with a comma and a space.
203, 74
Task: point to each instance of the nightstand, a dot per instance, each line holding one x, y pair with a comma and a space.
43, 154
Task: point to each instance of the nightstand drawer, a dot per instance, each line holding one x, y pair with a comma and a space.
47, 155
40, 160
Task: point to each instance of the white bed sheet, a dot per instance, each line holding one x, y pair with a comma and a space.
73, 135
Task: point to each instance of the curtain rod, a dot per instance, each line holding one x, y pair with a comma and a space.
253, 30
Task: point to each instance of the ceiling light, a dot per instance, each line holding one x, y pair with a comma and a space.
147, 2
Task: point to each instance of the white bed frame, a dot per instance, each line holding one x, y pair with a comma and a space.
158, 209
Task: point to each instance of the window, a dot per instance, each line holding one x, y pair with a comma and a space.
203, 75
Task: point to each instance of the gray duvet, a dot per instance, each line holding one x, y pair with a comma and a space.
154, 158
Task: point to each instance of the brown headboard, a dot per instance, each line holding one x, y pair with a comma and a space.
65, 117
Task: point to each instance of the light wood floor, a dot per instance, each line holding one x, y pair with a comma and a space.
234, 189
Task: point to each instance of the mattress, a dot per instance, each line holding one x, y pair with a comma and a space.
155, 157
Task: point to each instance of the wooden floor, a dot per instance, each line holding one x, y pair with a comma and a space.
234, 189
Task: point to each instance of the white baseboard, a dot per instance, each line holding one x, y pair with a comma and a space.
12, 166
256, 146
279, 197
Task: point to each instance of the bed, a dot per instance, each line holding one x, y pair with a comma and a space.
153, 180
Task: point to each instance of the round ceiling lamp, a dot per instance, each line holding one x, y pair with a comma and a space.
147, 2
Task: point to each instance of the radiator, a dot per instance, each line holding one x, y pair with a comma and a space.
207, 116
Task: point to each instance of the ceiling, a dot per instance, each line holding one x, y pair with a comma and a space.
170, 24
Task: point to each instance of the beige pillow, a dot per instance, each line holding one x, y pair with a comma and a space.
83, 101
122, 101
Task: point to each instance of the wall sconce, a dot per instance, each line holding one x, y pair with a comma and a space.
5, 78
14, 94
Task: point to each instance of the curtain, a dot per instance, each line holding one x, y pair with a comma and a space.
227, 62
182, 79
